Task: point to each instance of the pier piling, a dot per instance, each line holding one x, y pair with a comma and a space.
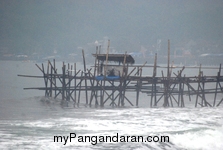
109, 83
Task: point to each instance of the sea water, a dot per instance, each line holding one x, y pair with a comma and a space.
26, 122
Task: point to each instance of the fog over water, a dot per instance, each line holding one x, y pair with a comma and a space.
33, 31
45, 28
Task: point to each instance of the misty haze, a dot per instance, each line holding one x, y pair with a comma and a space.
59, 111
36, 29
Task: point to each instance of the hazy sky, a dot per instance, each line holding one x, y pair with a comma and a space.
42, 26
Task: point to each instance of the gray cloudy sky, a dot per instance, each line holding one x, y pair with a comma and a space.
41, 26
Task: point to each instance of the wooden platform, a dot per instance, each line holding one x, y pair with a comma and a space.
169, 90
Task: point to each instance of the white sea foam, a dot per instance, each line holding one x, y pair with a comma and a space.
187, 128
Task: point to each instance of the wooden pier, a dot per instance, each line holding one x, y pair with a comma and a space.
107, 83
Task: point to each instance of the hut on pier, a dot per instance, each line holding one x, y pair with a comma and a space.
110, 69
113, 77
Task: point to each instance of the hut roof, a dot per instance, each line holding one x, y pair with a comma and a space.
115, 57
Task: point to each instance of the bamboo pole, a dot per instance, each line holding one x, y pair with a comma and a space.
54, 66
93, 92
182, 98
51, 81
217, 83
105, 70
63, 84
168, 61
139, 84
45, 81
198, 88
68, 89
155, 66
85, 75
75, 84
79, 92
99, 72
155, 95
153, 92
123, 80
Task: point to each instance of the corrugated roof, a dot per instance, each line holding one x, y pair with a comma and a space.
115, 58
